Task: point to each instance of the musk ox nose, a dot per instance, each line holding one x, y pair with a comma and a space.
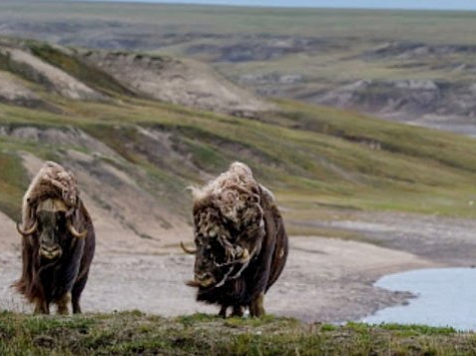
50, 252
205, 279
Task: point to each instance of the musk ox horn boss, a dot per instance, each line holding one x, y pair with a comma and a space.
241, 245
58, 241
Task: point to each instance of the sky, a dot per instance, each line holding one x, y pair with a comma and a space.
380, 4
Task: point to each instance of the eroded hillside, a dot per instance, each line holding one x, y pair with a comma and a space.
102, 75
135, 155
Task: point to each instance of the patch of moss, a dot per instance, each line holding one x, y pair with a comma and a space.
72, 65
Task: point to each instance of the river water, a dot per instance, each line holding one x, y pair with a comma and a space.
444, 297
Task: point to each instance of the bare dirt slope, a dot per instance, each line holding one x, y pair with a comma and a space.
13, 90
179, 81
325, 280
132, 221
102, 75
9, 239
54, 78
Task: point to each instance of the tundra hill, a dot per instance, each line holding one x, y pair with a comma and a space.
92, 75
413, 66
135, 155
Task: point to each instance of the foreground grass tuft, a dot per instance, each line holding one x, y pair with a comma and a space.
131, 333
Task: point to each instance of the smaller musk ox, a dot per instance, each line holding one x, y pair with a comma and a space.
58, 241
241, 244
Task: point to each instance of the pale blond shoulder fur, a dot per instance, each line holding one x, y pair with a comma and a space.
232, 190
52, 181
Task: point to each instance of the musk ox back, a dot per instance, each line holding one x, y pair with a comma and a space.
241, 243
58, 241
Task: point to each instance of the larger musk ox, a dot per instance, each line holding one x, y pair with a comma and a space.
58, 241
241, 243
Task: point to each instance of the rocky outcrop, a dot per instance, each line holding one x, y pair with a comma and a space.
14, 91
21, 62
177, 81
410, 98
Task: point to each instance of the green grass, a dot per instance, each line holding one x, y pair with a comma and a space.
136, 333
313, 158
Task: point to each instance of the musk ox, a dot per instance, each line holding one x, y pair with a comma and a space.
58, 241
241, 243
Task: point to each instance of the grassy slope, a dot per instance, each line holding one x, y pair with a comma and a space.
312, 157
136, 333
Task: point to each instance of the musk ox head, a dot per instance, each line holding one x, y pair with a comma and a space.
49, 212
228, 226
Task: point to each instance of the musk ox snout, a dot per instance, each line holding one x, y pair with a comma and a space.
50, 252
205, 279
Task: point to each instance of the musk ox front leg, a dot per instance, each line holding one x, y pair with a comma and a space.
237, 311
223, 310
63, 304
256, 306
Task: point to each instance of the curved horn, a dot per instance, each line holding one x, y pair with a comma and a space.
193, 283
186, 250
29, 231
75, 233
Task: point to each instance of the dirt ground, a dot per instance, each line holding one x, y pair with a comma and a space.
325, 279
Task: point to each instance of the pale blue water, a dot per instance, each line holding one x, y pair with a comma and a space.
445, 297
368, 4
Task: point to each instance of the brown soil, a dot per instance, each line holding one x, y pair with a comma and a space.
324, 280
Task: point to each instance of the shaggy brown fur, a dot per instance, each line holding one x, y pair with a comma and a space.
52, 202
241, 242
52, 181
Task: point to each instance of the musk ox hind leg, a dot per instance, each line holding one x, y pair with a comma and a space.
256, 306
76, 294
222, 312
41, 307
237, 311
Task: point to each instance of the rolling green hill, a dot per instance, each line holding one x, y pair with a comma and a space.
135, 155
315, 159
